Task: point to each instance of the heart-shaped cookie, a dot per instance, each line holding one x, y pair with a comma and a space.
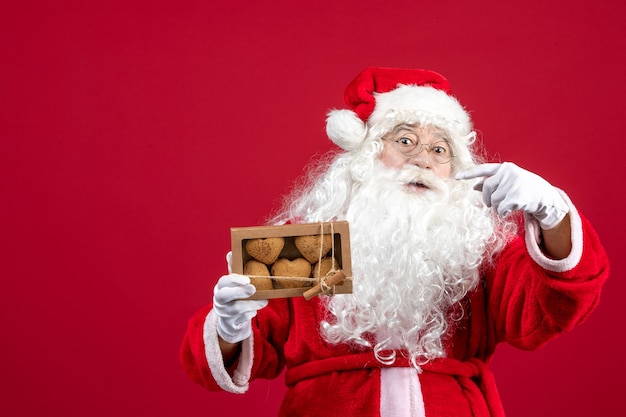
265, 250
299, 267
255, 270
309, 246
322, 268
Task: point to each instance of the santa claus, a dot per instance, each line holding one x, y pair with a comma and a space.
450, 256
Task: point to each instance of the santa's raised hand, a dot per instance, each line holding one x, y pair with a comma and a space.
234, 312
507, 187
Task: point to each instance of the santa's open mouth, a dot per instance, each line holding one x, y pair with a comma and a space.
416, 185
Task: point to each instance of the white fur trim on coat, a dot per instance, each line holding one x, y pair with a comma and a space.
238, 383
533, 239
401, 393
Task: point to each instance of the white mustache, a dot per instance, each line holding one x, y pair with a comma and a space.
411, 174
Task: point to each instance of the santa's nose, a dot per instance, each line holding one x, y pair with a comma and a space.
421, 159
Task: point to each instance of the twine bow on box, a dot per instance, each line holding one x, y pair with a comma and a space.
325, 284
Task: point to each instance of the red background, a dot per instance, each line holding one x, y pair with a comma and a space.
134, 134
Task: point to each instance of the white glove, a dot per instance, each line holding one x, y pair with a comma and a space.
507, 187
229, 261
234, 313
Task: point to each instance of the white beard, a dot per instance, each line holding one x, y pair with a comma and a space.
414, 257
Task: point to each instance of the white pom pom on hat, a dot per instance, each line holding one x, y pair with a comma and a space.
378, 93
345, 129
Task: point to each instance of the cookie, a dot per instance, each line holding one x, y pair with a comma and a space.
321, 268
265, 250
309, 246
299, 267
255, 269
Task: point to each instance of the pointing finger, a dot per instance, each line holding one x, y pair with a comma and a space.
483, 170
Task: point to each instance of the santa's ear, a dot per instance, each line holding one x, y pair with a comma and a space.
345, 129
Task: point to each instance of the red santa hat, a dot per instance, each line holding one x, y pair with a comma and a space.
386, 97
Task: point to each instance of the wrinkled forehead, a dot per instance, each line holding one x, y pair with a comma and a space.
420, 129
394, 120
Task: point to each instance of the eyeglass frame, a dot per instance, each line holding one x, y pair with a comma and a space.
421, 146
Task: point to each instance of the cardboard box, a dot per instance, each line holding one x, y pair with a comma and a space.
285, 265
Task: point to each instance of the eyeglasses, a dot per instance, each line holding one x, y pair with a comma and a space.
440, 151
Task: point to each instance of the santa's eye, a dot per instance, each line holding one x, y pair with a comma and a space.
406, 142
440, 148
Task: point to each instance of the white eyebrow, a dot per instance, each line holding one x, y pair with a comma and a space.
403, 127
440, 134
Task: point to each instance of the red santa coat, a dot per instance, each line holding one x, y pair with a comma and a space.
524, 299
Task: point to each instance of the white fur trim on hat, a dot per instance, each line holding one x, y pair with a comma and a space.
345, 129
410, 104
